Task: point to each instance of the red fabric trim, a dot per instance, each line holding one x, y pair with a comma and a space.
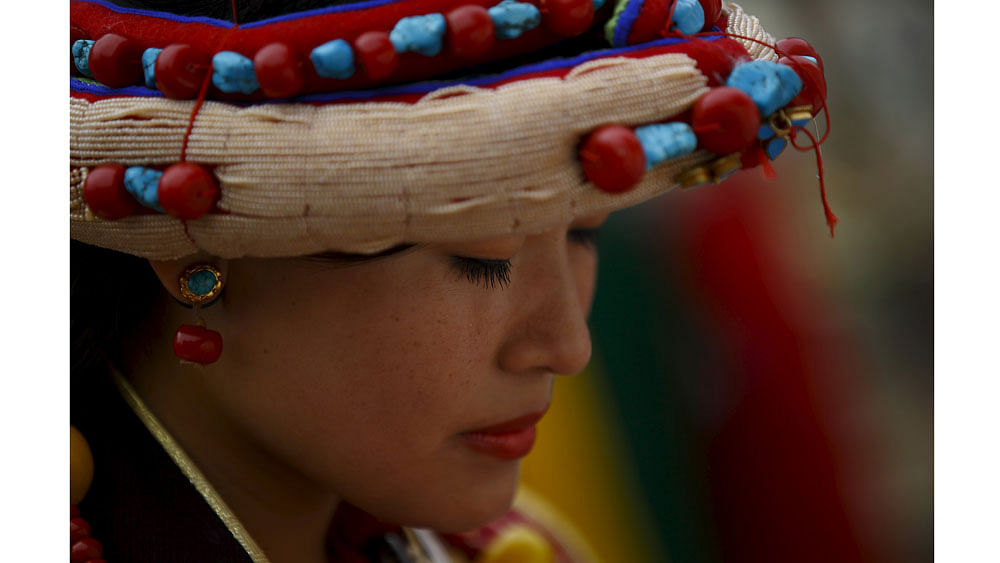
716, 60
775, 469
305, 34
723, 21
649, 24
95, 20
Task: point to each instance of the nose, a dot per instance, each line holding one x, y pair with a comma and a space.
549, 332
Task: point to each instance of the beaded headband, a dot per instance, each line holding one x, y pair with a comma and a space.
361, 126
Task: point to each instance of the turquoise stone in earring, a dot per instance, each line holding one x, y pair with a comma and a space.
200, 284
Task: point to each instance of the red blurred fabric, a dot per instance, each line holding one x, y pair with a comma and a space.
776, 473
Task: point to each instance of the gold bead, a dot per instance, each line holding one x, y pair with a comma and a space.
695, 177
81, 466
723, 167
780, 123
799, 113
518, 544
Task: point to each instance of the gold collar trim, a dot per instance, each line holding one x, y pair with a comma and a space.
189, 469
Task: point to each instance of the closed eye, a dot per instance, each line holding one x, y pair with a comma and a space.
485, 272
586, 237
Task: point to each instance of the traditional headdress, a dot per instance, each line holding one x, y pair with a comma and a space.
360, 126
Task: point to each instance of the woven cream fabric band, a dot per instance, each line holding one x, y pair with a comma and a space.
461, 164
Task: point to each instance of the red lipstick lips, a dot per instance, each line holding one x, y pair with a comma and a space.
508, 440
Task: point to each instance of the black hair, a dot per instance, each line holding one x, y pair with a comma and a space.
111, 293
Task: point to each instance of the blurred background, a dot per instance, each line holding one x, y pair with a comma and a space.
766, 392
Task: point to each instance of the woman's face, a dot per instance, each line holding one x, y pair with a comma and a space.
372, 379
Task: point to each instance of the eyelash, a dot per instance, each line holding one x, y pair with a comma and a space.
493, 274
586, 237
490, 274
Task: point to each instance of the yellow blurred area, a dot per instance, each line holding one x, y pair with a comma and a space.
579, 466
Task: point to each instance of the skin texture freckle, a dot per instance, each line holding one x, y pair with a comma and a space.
380, 367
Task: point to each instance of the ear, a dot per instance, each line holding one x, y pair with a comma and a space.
169, 271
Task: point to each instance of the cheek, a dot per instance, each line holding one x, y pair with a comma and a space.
360, 368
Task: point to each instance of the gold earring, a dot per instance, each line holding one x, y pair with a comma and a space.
199, 284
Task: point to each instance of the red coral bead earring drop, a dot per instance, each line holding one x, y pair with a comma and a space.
199, 284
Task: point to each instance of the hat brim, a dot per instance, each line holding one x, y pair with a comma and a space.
427, 162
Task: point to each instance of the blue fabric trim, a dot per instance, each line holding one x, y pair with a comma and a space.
86, 87
161, 15
625, 21
403, 89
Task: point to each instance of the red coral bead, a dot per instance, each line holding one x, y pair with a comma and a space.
751, 157
180, 71
197, 344
375, 54
279, 70
725, 120
187, 191
84, 549
105, 193
798, 46
116, 61
713, 10
567, 18
613, 159
813, 92
470, 31
78, 529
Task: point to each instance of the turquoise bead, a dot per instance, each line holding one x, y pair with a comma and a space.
689, 17
333, 59
770, 85
142, 183
81, 56
598, 4
512, 18
664, 141
232, 72
149, 66
420, 34
201, 282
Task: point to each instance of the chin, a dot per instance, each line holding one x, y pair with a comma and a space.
473, 514
456, 507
